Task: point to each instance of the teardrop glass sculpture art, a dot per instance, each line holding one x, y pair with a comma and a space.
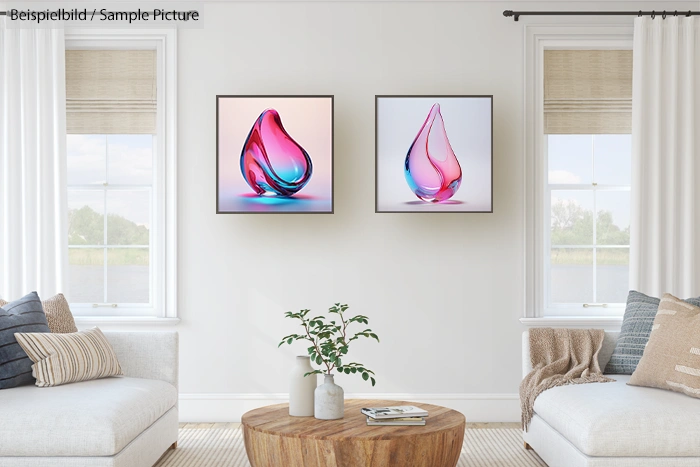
431, 168
272, 163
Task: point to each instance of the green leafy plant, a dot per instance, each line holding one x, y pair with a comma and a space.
331, 340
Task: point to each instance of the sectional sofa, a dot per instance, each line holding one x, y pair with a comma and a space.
127, 421
613, 424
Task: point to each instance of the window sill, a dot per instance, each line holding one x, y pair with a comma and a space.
609, 323
84, 321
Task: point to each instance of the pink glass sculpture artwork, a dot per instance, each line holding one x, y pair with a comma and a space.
272, 163
431, 168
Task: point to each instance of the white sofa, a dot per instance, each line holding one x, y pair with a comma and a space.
125, 421
613, 424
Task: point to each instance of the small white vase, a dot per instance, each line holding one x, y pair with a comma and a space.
301, 388
329, 401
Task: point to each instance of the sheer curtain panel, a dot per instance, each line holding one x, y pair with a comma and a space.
665, 233
33, 206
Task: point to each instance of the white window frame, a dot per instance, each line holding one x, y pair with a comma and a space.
539, 38
163, 246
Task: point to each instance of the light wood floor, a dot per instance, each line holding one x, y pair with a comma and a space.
205, 426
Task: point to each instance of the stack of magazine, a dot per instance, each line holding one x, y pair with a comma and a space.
402, 415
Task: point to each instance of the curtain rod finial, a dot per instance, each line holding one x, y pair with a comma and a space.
509, 13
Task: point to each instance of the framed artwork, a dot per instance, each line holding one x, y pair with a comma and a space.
434, 154
274, 154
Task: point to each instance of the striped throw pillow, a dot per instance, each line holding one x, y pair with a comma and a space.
23, 315
58, 313
68, 358
671, 359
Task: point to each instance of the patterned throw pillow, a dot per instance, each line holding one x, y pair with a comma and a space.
634, 335
23, 315
57, 312
68, 358
672, 357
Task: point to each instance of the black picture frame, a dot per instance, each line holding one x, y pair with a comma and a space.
376, 151
276, 96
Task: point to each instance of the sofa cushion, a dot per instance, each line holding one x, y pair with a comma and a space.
58, 313
672, 356
23, 315
90, 418
69, 357
634, 335
614, 419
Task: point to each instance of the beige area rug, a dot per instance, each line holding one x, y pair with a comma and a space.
223, 446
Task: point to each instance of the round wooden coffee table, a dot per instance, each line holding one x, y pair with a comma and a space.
274, 439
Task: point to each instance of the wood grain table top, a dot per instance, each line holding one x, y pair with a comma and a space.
275, 419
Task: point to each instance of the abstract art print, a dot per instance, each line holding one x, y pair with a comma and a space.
274, 154
434, 154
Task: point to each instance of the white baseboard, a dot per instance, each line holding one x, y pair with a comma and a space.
228, 407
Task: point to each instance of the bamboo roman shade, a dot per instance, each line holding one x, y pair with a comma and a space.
587, 91
111, 91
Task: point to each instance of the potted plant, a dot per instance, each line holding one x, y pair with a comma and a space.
330, 342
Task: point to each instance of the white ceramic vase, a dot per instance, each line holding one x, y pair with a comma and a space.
329, 401
301, 389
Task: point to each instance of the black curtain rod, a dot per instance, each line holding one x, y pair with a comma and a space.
517, 14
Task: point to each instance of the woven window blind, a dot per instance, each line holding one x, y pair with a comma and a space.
111, 91
588, 91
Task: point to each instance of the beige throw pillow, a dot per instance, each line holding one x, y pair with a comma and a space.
671, 359
57, 312
68, 358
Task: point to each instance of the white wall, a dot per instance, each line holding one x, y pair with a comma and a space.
443, 291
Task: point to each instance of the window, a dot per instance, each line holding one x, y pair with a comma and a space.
588, 195
110, 214
578, 174
121, 173
587, 148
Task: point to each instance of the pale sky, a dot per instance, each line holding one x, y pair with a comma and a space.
128, 159
584, 159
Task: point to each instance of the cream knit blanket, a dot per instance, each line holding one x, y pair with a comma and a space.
560, 357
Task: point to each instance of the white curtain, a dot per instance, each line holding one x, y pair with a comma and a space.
665, 229
33, 205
